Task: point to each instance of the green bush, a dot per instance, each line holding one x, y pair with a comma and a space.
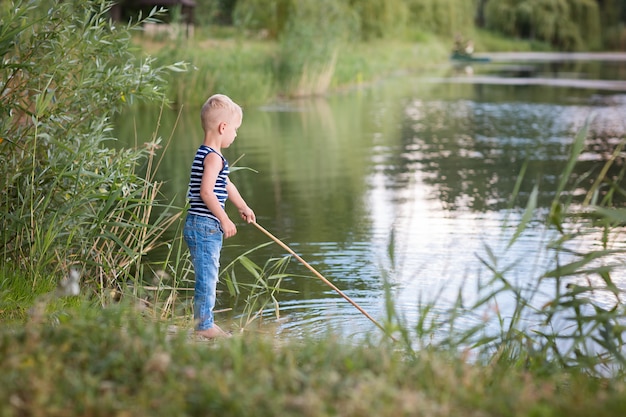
314, 33
66, 198
113, 361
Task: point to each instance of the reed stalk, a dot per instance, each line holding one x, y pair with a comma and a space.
569, 316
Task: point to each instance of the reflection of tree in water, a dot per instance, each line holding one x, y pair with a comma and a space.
472, 153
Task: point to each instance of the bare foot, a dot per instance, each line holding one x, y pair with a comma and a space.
212, 332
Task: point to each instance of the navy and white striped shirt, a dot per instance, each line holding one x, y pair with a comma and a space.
197, 206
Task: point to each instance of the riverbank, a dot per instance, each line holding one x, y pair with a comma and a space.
115, 362
250, 70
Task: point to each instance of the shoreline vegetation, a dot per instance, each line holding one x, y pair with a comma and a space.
87, 325
218, 60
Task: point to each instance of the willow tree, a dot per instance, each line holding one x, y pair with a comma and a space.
375, 18
381, 18
263, 15
565, 24
395, 18
443, 17
613, 17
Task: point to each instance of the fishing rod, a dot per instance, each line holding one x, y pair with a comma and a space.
320, 276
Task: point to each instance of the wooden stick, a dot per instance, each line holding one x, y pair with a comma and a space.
320, 276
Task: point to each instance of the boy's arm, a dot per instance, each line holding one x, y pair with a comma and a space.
212, 167
245, 212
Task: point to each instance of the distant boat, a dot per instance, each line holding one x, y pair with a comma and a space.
465, 57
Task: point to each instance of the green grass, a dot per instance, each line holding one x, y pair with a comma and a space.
17, 294
248, 70
486, 41
116, 362
363, 63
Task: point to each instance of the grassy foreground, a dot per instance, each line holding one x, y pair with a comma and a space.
87, 355
113, 362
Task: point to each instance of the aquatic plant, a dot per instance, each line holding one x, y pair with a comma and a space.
570, 316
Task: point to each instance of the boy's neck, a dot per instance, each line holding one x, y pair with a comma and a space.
213, 143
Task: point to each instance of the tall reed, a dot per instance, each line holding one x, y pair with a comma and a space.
66, 199
242, 70
69, 199
570, 316
314, 33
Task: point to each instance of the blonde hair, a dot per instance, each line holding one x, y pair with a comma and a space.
218, 108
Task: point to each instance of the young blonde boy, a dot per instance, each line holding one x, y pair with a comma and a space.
207, 222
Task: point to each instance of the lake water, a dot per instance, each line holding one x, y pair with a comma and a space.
408, 181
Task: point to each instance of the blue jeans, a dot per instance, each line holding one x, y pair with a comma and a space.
203, 236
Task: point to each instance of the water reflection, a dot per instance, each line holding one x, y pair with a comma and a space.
407, 181
470, 152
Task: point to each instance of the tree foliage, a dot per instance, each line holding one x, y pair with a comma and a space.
374, 18
566, 24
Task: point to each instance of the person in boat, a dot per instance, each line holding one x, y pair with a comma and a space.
462, 48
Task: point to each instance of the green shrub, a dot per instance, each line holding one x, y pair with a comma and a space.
314, 33
66, 199
113, 361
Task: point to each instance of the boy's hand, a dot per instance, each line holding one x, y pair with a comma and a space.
247, 214
229, 228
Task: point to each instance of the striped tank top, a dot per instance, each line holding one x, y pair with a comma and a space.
196, 205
